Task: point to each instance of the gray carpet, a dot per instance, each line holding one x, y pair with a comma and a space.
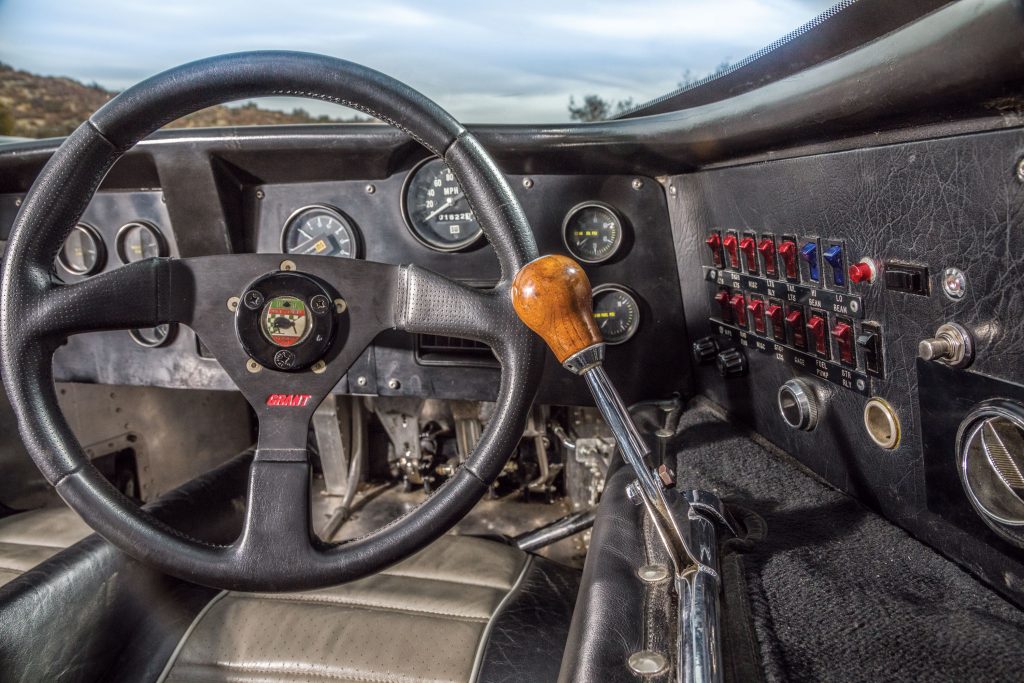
837, 592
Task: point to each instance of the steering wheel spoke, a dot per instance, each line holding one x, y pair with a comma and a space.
141, 294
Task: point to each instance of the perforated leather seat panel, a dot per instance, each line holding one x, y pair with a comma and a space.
425, 619
28, 538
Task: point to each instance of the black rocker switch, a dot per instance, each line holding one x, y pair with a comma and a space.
903, 277
870, 342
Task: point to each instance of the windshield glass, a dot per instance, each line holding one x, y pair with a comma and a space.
529, 62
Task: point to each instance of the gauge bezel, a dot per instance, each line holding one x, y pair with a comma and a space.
622, 289
101, 252
357, 238
161, 241
598, 205
444, 248
172, 331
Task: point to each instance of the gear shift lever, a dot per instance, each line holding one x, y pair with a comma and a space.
552, 297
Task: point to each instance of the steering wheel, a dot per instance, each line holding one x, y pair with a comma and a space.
286, 344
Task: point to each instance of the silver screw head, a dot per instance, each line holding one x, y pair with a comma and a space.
319, 367
1020, 170
288, 264
861, 385
653, 573
252, 366
253, 299
233, 304
527, 183
954, 283
340, 305
637, 183
854, 305
260, 194
361, 381
17, 202
370, 188
394, 384
647, 663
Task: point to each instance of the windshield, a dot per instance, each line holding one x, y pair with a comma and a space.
529, 62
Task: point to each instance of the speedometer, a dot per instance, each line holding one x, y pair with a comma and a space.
436, 209
319, 230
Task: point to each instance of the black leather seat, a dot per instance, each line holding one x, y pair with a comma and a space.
28, 538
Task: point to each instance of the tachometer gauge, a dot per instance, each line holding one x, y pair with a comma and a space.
436, 209
83, 252
592, 232
138, 240
616, 313
320, 231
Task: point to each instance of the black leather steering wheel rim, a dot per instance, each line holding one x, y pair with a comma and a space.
37, 313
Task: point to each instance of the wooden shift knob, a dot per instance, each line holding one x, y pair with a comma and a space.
552, 296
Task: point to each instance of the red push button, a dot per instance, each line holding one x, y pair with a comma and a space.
795, 323
777, 317
816, 328
749, 249
756, 308
714, 243
739, 309
767, 249
731, 245
788, 252
843, 334
865, 271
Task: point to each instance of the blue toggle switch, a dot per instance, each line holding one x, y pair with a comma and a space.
834, 256
809, 253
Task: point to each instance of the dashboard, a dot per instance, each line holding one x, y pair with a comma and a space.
413, 212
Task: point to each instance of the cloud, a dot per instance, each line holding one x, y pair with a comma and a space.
484, 62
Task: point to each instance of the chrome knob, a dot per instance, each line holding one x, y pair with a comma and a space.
798, 405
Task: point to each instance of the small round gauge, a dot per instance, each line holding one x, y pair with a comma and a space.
616, 313
138, 240
83, 252
436, 210
320, 230
592, 232
152, 337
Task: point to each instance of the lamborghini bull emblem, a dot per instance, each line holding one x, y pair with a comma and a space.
285, 320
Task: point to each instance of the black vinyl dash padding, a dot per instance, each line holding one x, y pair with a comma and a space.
837, 592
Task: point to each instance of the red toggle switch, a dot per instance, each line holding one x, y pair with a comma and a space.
795, 323
749, 248
777, 317
722, 298
788, 252
767, 249
731, 248
816, 327
739, 309
843, 334
714, 243
865, 271
756, 308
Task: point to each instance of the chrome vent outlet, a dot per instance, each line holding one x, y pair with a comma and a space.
990, 460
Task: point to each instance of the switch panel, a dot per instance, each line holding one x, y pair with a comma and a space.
788, 254
834, 257
756, 308
817, 333
714, 242
731, 243
842, 333
809, 255
869, 341
748, 245
767, 248
777, 319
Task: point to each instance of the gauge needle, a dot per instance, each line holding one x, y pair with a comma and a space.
448, 202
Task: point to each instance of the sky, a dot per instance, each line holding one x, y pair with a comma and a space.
485, 62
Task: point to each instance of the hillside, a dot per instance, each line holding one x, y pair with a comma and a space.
34, 106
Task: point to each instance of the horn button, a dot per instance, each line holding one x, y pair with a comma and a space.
286, 321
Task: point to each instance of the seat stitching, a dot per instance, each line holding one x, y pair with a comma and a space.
363, 605
457, 582
250, 668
